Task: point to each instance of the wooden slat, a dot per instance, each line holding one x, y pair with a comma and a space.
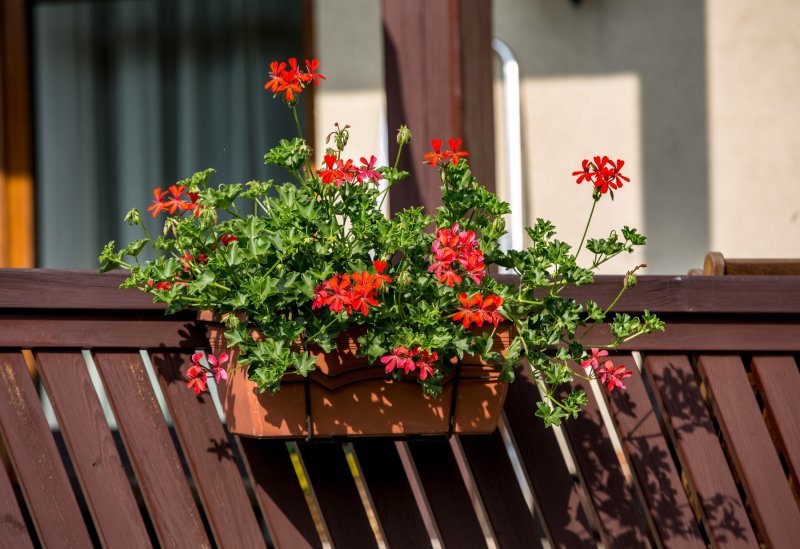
779, 383
67, 289
782, 335
209, 454
92, 450
14, 532
101, 333
279, 494
751, 450
699, 450
597, 459
745, 335
449, 500
651, 461
29, 442
148, 443
391, 493
512, 521
541, 456
337, 494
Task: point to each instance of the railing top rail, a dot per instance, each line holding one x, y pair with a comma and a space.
87, 290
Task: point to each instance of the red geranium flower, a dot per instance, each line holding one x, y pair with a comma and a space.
400, 359
594, 359
196, 376
433, 158
367, 171
158, 202
612, 375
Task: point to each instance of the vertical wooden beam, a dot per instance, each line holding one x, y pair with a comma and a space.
16, 137
438, 66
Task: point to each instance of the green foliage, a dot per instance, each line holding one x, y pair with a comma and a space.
264, 250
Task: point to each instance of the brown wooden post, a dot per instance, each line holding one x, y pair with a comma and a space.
16, 137
438, 67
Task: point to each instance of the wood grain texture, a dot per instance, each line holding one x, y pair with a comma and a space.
337, 494
448, 497
400, 518
652, 463
707, 471
153, 456
30, 445
541, 457
615, 501
279, 494
209, 455
779, 383
98, 333
14, 533
92, 450
512, 522
751, 450
83, 290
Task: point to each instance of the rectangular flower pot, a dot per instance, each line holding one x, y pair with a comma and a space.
347, 397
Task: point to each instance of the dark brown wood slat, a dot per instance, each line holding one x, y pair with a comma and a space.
735, 335
279, 494
550, 480
391, 493
704, 464
751, 450
30, 445
148, 443
100, 333
449, 500
779, 383
337, 494
616, 504
68, 288
745, 335
512, 522
14, 532
209, 454
765, 295
651, 461
92, 450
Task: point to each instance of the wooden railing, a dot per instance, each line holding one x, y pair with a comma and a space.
703, 447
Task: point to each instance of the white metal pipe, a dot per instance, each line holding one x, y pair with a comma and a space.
513, 126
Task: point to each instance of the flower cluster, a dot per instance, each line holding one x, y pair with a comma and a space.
478, 309
197, 374
291, 80
439, 157
299, 264
171, 201
452, 248
603, 173
351, 292
338, 171
607, 372
419, 360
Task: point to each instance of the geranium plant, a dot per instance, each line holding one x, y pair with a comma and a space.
304, 260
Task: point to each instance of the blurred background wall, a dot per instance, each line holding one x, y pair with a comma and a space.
699, 98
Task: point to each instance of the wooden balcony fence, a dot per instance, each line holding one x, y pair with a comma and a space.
702, 449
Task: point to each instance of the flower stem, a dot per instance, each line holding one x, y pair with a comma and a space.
588, 222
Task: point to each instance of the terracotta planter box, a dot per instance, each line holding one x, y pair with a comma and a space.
346, 396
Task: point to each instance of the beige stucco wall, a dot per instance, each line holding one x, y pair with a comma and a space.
699, 98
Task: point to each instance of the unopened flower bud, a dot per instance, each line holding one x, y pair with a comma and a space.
404, 279
133, 217
630, 280
403, 135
